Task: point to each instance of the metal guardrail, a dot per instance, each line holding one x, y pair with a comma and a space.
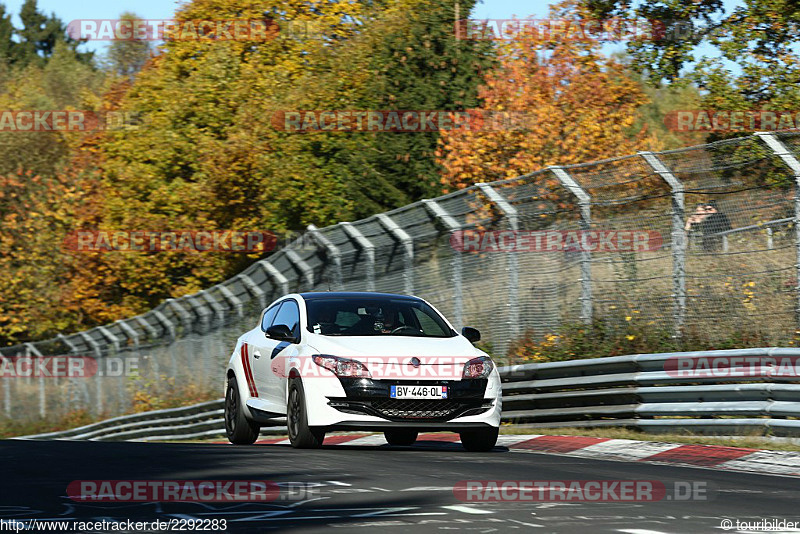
633, 391
198, 421
637, 391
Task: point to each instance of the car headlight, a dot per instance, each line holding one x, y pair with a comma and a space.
480, 367
342, 366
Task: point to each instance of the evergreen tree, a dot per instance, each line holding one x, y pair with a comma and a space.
39, 36
6, 34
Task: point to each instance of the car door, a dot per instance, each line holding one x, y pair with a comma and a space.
251, 349
270, 355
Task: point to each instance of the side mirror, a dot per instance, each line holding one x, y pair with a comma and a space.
280, 332
472, 334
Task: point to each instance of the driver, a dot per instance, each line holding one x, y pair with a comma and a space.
389, 321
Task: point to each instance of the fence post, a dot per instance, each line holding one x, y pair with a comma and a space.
30, 351
308, 273
585, 206
452, 226
231, 298
511, 215
129, 332
333, 252
7, 395
147, 327
168, 325
219, 311
98, 355
109, 336
200, 310
780, 150
6, 388
184, 316
408, 246
276, 276
76, 386
678, 239
253, 289
368, 249
133, 336
73, 349
115, 352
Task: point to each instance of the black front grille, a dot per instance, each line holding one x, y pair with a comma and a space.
416, 409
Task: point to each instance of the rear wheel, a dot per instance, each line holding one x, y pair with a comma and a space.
240, 430
482, 440
301, 435
397, 436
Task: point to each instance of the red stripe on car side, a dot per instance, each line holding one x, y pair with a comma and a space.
248, 373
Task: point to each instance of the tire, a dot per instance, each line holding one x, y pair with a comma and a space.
399, 436
301, 435
240, 430
482, 440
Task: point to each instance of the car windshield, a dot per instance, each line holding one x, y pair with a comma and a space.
375, 317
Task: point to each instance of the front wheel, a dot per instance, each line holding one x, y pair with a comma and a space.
301, 435
482, 440
239, 429
400, 436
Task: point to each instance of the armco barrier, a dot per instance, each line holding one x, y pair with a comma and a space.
636, 391
632, 391
204, 420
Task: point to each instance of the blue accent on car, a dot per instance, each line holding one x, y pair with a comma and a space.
282, 345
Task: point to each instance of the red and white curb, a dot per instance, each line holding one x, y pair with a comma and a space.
708, 456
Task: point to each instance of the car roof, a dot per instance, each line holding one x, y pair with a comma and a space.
317, 295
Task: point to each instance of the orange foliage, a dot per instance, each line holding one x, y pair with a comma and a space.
578, 106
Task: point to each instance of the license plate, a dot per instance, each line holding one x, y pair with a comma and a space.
418, 392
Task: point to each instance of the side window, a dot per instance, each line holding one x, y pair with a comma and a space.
269, 316
289, 314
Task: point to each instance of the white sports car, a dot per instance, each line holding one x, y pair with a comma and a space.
361, 361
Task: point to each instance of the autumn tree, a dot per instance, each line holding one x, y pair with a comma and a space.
758, 64
566, 103
63, 83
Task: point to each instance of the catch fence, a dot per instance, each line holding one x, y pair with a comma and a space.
638, 266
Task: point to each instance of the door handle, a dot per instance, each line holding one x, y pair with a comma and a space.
256, 354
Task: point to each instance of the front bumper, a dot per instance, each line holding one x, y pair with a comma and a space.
371, 397
365, 403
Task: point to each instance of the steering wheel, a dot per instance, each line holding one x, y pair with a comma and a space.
404, 327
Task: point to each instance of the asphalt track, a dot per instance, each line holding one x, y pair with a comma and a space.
360, 489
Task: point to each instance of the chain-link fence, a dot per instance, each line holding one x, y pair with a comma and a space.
698, 240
